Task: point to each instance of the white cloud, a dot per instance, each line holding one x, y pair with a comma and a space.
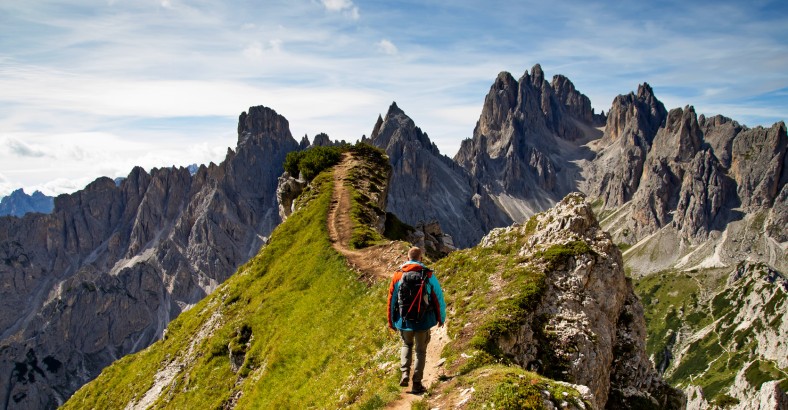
387, 47
345, 6
337, 5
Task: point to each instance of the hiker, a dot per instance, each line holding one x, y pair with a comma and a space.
415, 306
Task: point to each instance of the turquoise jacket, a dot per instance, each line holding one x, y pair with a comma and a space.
433, 288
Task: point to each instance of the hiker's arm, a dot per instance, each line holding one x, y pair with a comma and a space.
436, 288
392, 301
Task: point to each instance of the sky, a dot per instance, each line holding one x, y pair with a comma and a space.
94, 88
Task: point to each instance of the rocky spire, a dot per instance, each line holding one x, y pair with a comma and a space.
443, 191
262, 123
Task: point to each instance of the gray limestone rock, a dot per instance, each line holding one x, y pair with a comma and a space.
759, 165
287, 191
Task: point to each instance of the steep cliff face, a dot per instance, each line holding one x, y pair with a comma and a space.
526, 141
427, 186
103, 274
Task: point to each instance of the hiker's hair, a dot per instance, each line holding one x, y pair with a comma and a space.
414, 253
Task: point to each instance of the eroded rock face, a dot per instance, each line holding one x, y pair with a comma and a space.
103, 274
426, 185
588, 327
759, 165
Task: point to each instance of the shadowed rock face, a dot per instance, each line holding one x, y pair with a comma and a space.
103, 274
427, 186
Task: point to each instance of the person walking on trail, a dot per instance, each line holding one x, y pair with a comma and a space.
415, 305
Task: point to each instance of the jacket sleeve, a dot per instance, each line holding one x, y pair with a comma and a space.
437, 293
392, 300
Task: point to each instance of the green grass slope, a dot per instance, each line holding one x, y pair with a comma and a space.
293, 328
711, 328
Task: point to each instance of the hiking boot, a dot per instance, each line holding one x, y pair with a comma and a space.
418, 388
403, 382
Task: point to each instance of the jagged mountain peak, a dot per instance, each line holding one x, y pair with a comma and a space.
635, 116
398, 128
394, 110
645, 91
261, 122
537, 75
681, 138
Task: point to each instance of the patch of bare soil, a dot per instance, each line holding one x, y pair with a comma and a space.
373, 264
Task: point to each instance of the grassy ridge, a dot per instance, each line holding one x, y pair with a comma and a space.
303, 331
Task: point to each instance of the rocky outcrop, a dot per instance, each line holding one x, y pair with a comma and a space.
130, 258
20, 203
588, 327
526, 140
287, 191
426, 185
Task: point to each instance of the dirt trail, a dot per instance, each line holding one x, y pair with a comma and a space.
376, 263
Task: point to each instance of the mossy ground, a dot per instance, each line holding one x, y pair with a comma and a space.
506, 387
317, 337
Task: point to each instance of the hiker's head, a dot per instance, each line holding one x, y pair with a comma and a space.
414, 253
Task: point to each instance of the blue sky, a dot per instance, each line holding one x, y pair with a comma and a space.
92, 88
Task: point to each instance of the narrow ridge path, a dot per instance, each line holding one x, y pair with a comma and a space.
373, 264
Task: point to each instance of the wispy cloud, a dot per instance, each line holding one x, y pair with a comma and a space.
21, 149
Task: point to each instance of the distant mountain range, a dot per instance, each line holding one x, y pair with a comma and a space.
19, 203
682, 194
